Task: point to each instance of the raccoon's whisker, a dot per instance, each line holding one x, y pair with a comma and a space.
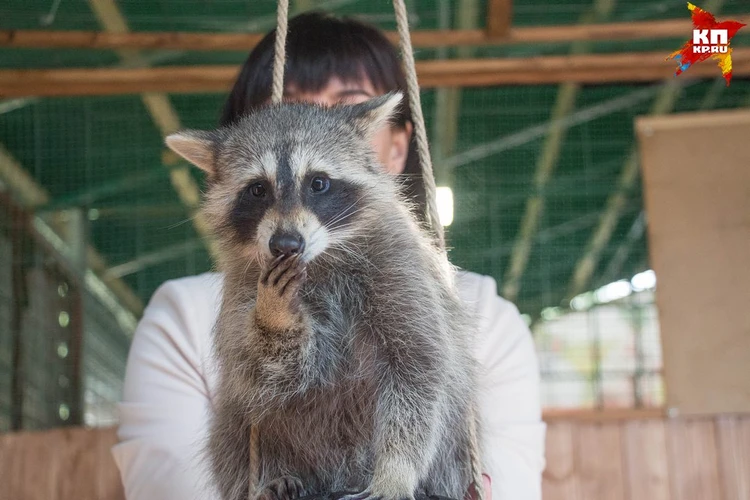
333, 256
349, 230
343, 214
336, 217
349, 250
341, 217
247, 268
177, 224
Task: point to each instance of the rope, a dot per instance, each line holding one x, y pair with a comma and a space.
415, 103
423, 149
476, 462
279, 53
277, 93
254, 462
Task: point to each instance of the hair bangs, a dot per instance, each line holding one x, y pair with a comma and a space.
333, 49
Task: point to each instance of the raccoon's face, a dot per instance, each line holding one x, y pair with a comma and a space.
290, 179
292, 201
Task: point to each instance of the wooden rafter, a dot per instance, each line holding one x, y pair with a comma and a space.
588, 262
599, 68
448, 99
499, 18
620, 31
586, 265
161, 111
547, 160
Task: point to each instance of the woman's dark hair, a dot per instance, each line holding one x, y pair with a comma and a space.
320, 46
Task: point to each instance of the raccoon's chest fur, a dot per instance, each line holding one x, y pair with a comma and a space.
327, 433
325, 438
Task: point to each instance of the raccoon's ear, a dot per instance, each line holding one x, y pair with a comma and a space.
196, 146
372, 114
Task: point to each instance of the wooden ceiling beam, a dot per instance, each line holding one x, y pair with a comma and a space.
499, 18
587, 69
620, 31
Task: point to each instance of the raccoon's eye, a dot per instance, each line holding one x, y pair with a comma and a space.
320, 184
258, 190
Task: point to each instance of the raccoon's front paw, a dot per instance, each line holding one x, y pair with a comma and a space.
370, 494
278, 304
283, 488
393, 480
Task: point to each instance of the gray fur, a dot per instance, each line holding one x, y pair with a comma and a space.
373, 385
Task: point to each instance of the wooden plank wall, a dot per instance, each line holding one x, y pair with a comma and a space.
645, 459
651, 459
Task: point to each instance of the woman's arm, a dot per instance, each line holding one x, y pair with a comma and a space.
164, 412
513, 431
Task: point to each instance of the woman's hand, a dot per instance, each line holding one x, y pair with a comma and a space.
472, 494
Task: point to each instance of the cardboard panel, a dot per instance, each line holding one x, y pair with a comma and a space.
696, 172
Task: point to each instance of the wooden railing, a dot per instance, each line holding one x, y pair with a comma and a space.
649, 459
61, 464
642, 458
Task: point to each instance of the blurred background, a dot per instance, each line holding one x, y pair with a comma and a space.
538, 160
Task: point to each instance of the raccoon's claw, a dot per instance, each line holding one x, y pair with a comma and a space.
283, 488
276, 268
283, 274
278, 302
362, 495
368, 494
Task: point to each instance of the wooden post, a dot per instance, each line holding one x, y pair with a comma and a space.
499, 18
18, 223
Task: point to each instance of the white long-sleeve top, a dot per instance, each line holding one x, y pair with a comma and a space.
170, 381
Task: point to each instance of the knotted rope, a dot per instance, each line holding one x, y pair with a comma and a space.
425, 161
277, 93
279, 51
415, 103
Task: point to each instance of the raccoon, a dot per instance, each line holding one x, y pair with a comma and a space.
341, 335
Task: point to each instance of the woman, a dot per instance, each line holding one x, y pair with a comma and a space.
170, 378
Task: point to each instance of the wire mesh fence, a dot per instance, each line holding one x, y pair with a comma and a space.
542, 203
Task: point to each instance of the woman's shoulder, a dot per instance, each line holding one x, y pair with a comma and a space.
502, 332
480, 291
183, 311
198, 293
205, 284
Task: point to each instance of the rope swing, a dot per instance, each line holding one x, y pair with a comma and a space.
423, 150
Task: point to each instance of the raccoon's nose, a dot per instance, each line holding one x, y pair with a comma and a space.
286, 244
